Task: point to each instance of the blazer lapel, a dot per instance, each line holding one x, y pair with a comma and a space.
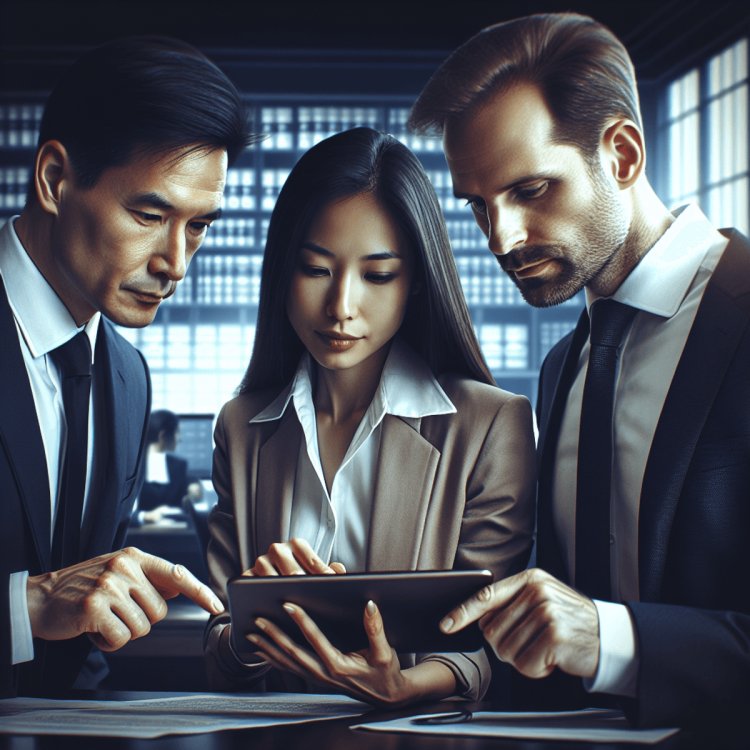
405, 475
278, 457
20, 436
550, 419
720, 322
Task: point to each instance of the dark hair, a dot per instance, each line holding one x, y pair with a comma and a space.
139, 95
583, 71
437, 322
161, 420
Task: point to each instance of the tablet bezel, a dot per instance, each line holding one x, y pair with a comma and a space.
411, 603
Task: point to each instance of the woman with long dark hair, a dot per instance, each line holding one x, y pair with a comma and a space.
368, 433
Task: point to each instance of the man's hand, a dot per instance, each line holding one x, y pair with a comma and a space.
534, 622
114, 598
293, 558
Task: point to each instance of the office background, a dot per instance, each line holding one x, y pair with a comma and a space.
310, 69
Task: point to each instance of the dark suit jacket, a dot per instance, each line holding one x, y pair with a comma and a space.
693, 619
124, 395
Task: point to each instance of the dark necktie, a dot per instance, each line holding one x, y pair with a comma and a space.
74, 362
609, 321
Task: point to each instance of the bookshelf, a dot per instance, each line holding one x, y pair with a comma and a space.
200, 342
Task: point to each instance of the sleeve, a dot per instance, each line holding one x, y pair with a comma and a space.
224, 668
694, 666
498, 521
22, 648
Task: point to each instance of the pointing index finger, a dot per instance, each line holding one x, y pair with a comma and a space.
172, 579
487, 598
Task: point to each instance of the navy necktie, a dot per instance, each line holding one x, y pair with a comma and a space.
74, 362
609, 321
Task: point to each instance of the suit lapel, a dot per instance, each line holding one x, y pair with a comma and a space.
561, 375
276, 477
720, 322
405, 475
20, 436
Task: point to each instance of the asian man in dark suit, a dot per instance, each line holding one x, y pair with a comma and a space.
128, 176
644, 499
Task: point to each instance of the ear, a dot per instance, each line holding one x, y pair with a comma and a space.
623, 152
51, 169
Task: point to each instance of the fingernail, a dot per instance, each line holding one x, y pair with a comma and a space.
370, 608
178, 571
218, 606
289, 608
261, 624
253, 639
446, 624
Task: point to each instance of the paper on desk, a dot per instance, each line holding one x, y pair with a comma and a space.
155, 717
588, 725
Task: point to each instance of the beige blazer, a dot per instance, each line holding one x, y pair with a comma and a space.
457, 492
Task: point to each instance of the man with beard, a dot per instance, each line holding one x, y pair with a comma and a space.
129, 174
644, 479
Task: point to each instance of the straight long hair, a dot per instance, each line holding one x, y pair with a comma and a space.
437, 323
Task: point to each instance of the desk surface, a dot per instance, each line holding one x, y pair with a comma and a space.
330, 735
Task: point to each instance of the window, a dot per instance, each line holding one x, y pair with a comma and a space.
705, 125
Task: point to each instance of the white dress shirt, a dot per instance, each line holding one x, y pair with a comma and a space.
336, 524
43, 323
666, 288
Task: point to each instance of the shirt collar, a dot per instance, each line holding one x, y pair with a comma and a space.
660, 281
407, 389
40, 314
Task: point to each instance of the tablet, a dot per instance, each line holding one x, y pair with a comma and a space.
412, 604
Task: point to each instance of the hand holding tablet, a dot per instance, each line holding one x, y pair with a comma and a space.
411, 604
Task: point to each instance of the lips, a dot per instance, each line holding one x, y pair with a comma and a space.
337, 341
532, 269
149, 298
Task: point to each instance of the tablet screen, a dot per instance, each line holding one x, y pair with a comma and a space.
412, 604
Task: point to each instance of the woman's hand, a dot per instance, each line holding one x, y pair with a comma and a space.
292, 558
373, 674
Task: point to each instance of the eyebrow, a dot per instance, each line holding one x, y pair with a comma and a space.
154, 200
385, 255
511, 185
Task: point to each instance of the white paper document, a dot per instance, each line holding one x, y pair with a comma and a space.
185, 714
588, 725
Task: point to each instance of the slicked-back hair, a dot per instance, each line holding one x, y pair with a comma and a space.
582, 70
141, 95
361, 161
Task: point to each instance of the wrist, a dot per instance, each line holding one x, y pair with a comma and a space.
429, 680
38, 590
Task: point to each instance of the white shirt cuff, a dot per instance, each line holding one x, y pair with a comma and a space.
21, 638
618, 657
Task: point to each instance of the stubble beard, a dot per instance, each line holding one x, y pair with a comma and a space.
593, 260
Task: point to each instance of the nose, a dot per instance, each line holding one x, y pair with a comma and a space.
341, 302
507, 229
171, 260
